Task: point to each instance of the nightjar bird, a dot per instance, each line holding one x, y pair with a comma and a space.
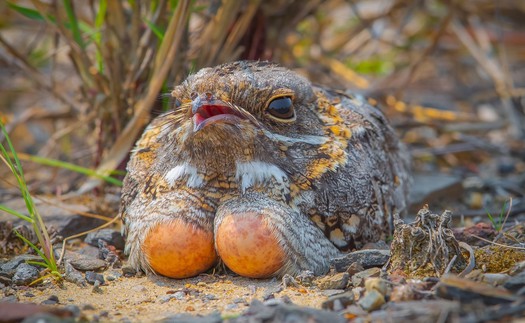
257, 168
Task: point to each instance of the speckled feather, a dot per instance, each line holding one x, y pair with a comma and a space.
329, 182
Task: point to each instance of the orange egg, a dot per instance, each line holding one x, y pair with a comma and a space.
179, 250
248, 246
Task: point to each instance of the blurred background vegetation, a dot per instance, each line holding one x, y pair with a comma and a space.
79, 80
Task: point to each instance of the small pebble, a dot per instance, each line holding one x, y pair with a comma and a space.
372, 301
337, 281
49, 302
25, 274
375, 283
358, 278
354, 268
231, 307
86, 251
96, 288
93, 277
210, 297
88, 307
112, 237
274, 302
88, 264
240, 300
114, 274
73, 276
179, 295
128, 271
270, 291
338, 302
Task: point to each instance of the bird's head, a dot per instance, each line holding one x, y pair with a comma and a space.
243, 111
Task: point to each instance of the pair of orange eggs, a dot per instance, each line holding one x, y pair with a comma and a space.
244, 242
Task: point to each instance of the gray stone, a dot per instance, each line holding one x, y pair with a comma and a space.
270, 292
25, 274
73, 276
239, 300
187, 318
367, 258
128, 271
358, 279
423, 312
339, 301
9, 268
337, 281
258, 312
88, 264
210, 297
178, 296
113, 275
112, 237
376, 283
93, 277
373, 300
89, 252
96, 287
50, 301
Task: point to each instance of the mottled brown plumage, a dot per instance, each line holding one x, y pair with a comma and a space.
323, 176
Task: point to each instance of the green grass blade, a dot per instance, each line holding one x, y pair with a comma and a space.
75, 30
35, 248
156, 30
37, 223
27, 12
99, 22
71, 167
16, 169
38, 263
16, 213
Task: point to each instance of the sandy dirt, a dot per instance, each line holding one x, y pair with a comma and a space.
146, 298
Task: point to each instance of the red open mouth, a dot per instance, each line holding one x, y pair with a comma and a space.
206, 112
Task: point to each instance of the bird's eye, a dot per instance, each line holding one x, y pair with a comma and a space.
281, 108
